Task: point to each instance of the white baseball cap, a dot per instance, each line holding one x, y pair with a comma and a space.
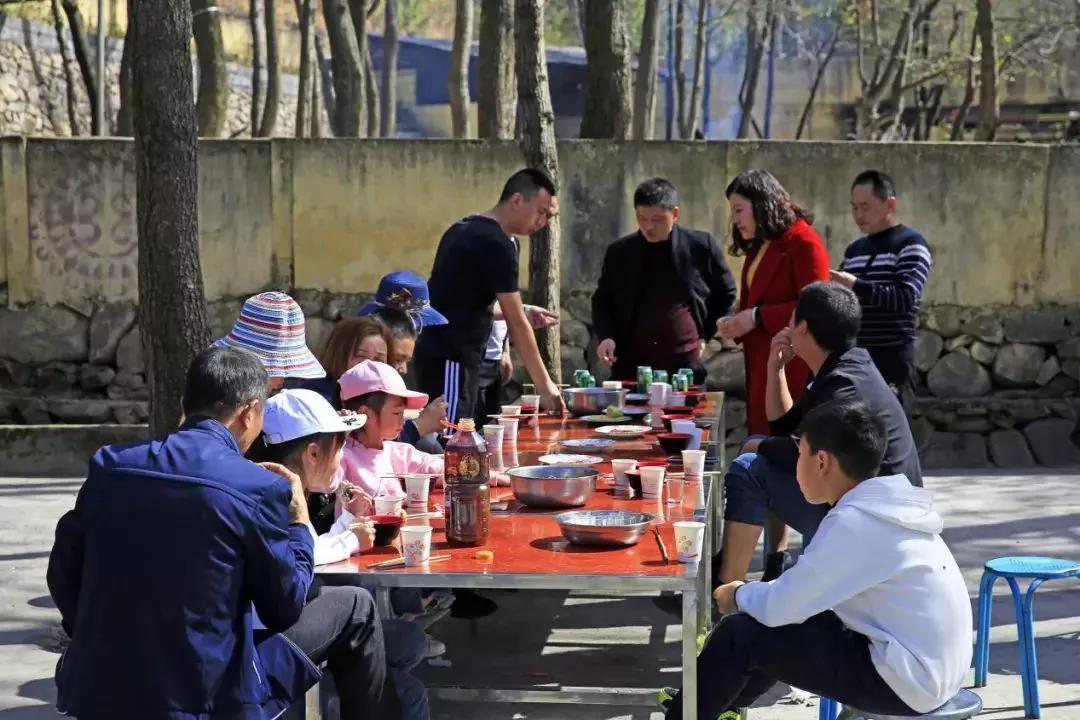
293, 414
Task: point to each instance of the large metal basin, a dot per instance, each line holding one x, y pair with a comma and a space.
592, 401
603, 527
553, 486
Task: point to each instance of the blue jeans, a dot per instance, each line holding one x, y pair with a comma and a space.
406, 646
753, 486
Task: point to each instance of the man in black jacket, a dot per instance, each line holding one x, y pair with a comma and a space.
661, 290
822, 333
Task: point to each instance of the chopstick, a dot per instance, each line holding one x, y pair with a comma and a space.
397, 562
660, 542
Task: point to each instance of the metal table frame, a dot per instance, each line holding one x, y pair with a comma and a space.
694, 586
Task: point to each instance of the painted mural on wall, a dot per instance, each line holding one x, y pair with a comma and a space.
83, 238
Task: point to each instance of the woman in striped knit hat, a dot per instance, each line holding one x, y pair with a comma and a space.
271, 326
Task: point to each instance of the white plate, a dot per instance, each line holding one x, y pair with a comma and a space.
588, 444
622, 432
570, 459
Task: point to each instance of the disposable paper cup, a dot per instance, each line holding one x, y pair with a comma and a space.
493, 436
388, 504
693, 463
676, 400
652, 481
689, 536
619, 468
510, 429
416, 490
613, 385
531, 401
416, 543
688, 427
514, 410
658, 393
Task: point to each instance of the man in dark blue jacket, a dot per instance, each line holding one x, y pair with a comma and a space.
182, 571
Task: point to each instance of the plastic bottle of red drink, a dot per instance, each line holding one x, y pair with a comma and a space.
467, 502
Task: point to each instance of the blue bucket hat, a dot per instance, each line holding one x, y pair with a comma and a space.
406, 291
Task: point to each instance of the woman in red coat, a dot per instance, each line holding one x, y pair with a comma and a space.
783, 255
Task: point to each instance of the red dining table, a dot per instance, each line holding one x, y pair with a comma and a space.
530, 553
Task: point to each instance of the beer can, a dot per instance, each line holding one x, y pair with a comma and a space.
660, 376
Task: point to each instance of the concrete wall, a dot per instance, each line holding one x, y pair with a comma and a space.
999, 217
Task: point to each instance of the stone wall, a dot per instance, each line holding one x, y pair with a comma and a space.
324, 219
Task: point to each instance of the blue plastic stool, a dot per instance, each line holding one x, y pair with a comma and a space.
1011, 568
828, 709
965, 704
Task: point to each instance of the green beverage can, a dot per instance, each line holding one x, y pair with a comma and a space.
660, 376
589, 380
644, 378
679, 383
688, 373
579, 378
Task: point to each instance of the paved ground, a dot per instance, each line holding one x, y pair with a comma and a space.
543, 639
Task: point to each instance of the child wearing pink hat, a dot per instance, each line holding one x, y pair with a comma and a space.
371, 460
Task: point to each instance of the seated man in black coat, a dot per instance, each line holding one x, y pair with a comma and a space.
823, 333
661, 290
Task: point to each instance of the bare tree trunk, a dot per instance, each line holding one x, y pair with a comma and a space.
957, 132
645, 87
348, 70
757, 39
989, 102
607, 113
388, 122
273, 73
371, 88
496, 85
125, 126
258, 42
359, 11
303, 93
823, 63
537, 122
69, 80
699, 70
82, 56
172, 302
325, 86
576, 10
212, 107
680, 66
459, 68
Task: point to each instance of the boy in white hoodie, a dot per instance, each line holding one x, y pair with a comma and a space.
875, 614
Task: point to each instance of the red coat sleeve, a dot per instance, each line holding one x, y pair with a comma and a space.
810, 263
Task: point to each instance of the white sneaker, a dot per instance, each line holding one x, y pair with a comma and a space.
435, 648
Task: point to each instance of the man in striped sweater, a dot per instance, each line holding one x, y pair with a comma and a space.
887, 268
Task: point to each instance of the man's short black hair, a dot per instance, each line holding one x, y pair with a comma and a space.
397, 322
850, 432
221, 380
528, 182
656, 192
880, 183
832, 314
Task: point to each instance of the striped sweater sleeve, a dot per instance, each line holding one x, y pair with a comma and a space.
913, 265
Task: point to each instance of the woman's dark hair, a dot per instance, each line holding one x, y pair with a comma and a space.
774, 210
397, 322
288, 453
345, 338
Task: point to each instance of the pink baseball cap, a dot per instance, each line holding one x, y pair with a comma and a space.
371, 376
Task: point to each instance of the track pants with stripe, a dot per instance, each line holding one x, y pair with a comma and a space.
458, 383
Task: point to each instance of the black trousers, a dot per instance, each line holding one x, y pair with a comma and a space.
897, 366
341, 627
489, 392
742, 659
458, 383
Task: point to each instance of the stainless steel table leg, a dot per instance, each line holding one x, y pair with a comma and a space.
382, 602
689, 659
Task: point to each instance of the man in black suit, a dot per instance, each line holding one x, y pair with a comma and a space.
661, 290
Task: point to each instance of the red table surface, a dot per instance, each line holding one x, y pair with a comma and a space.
529, 541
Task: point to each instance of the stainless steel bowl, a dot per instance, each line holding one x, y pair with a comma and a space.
553, 486
603, 527
592, 401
